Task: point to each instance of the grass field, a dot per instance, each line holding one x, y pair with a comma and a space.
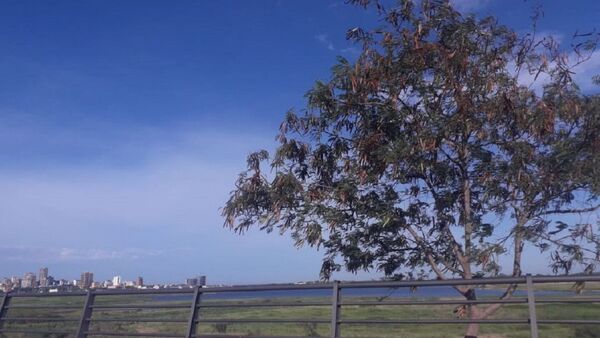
544, 311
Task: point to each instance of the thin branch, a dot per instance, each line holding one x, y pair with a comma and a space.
570, 211
431, 260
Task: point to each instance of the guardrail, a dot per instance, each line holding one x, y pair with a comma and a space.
89, 306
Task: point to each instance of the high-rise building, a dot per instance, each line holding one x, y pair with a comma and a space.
44, 277
140, 281
117, 281
28, 280
202, 280
87, 278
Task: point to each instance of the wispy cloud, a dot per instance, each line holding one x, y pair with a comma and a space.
145, 202
50, 255
469, 5
324, 40
353, 51
585, 72
582, 75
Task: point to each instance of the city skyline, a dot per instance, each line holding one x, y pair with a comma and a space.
50, 283
104, 277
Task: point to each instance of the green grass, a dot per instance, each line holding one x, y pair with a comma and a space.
382, 312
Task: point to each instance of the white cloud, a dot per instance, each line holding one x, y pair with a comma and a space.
469, 5
586, 71
166, 200
52, 255
353, 51
582, 75
146, 202
324, 40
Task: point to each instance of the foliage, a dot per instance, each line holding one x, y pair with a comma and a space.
432, 153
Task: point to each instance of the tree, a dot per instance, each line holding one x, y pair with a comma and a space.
429, 154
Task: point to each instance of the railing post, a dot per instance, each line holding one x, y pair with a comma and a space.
191, 329
86, 315
531, 302
335, 310
3, 309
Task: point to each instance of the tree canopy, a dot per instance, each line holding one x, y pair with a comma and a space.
431, 153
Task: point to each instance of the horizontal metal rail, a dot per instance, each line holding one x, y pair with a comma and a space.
138, 320
567, 321
270, 321
55, 307
140, 306
466, 282
568, 300
37, 319
434, 321
250, 305
238, 336
90, 305
325, 286
437, 302
249, 336
131, 334
35, 331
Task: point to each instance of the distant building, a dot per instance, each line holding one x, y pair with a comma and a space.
87, 278
139, 282
28, 280
44, 278
196, 281
6, 285
63, 282
117, 281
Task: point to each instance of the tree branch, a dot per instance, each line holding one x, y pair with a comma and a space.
431, 259
570, 211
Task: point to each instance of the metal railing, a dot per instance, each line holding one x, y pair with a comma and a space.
89, 306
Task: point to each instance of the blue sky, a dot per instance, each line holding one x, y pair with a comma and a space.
123, 125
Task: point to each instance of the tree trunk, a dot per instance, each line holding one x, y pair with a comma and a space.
473, 328
473, 313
